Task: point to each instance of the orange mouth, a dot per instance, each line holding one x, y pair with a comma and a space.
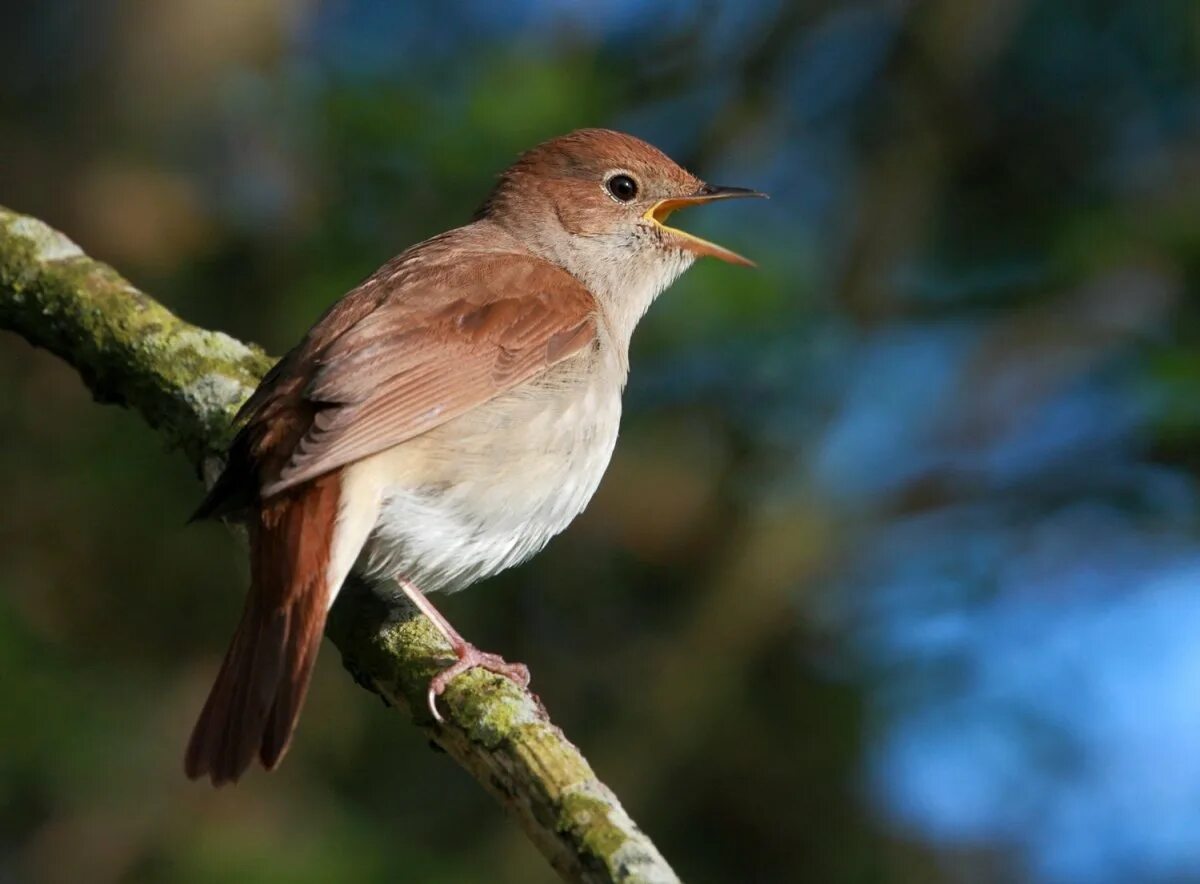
662, 210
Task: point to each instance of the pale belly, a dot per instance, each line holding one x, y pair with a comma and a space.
489, 489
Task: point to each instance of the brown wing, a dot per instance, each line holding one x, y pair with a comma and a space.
428, 337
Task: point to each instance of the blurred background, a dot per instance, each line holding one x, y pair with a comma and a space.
894, 575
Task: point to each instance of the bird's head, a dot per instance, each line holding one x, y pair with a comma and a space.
596, 202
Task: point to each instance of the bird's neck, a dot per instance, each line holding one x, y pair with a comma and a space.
625, 274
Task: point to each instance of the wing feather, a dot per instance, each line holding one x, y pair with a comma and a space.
430, 336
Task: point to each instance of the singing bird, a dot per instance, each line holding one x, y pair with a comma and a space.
444, 419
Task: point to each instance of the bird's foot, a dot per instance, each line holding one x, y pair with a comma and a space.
470, 657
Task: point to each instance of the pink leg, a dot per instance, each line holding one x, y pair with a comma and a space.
468, 655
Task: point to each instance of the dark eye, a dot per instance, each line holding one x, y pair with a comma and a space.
622, 187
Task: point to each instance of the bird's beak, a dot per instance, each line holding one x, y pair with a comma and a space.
659, 212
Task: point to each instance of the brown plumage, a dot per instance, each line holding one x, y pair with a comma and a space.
430, 335
255, 702
388, 362
445, 418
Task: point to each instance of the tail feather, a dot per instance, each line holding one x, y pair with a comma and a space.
256, 700
304, 639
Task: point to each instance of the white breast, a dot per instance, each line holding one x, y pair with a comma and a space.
487, 490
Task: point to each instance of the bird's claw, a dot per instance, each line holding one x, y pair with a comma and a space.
470, 657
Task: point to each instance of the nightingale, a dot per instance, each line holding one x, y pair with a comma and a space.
443, 420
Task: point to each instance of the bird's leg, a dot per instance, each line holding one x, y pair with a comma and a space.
468, 655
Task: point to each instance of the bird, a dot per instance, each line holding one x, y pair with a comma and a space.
443, 420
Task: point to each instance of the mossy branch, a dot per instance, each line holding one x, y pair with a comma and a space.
187, 382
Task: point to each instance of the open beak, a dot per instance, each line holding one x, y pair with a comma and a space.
661, 211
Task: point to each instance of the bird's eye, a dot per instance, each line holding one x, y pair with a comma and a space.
622, 187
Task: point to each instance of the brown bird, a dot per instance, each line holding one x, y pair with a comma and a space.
443, 420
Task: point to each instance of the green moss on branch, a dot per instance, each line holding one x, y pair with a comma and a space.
130, 350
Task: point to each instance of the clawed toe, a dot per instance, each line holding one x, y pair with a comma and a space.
471, 657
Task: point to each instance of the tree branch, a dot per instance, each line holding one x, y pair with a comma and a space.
187, 383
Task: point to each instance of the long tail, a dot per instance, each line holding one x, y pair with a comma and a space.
256, 700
